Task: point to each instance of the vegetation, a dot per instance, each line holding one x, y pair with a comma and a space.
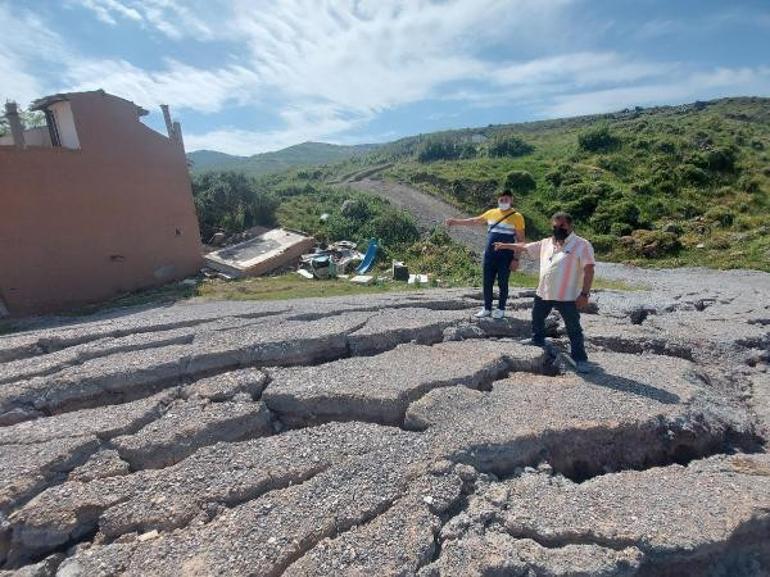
664, 186
231, 202
29, 119
300, 155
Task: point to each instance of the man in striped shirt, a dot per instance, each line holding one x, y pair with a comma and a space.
566, 274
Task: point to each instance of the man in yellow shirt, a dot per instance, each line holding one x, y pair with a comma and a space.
504, 224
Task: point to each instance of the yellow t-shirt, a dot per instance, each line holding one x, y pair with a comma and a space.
513, 221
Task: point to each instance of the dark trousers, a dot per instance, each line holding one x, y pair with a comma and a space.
569, 312
497, 264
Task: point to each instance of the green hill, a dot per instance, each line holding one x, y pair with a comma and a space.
669, 185
305, 154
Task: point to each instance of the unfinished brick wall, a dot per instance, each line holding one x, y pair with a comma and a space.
78, 226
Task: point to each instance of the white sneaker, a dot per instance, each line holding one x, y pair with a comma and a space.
498, 313
482, 313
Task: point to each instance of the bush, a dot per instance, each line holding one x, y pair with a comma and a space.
436, 149
562, 175
620, 229
620, 212
231, 203
597, 139
474, 192
652, 243
508, 145
690, 174
721, 215
519, 182
604, 243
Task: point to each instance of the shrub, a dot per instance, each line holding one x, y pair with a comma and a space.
562, 175
604, 243
690, 174
231, 202
474, 192
580, 209
721, 159
643, 188
508, 145
437, 149
721, 215
621, 229
519, 182
609, 213
598, 138
749, 184
653, 243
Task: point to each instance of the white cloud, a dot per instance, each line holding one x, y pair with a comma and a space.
334, 65
170, 17
178, 84
714, 84
25, 37
303, 122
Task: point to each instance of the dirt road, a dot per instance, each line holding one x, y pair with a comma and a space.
428, 210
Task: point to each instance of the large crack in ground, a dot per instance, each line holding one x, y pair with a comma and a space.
337, 371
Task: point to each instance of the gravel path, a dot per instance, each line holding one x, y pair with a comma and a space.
428, 210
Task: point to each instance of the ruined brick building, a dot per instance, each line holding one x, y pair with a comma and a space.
92, 205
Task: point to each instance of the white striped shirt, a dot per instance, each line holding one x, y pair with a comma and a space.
561, 269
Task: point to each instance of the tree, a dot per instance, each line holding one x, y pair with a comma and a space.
231, 202
29, 119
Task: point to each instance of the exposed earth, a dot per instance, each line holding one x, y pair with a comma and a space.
393, 436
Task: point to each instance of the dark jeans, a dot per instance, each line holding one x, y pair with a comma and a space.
569, 312
497, 264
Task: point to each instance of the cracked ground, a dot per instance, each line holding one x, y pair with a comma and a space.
391, 435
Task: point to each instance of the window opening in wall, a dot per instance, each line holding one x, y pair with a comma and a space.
52, 129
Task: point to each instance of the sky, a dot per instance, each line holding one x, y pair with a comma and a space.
249, 76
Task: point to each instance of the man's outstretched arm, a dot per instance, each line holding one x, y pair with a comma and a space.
473, 221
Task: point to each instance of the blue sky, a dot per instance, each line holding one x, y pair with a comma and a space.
248, 76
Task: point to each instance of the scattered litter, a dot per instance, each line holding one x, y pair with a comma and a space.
400, 271
324, 217
306, 274
189, 282
415, 279
323, 266
344, 276
218, 239
332, 261
362, 279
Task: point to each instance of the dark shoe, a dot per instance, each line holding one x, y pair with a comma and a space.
584, 367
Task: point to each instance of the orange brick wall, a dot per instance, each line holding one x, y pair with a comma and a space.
77, 226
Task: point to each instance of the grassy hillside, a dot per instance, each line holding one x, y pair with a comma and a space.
305, 154
666, 185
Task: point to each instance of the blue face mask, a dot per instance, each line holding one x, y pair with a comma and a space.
503, 205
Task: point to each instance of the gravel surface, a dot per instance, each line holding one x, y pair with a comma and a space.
393, 435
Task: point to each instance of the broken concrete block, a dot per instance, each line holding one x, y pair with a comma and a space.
362, 279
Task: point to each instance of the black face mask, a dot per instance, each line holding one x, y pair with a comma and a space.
560, 233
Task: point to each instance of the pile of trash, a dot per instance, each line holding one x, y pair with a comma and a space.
338, 260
